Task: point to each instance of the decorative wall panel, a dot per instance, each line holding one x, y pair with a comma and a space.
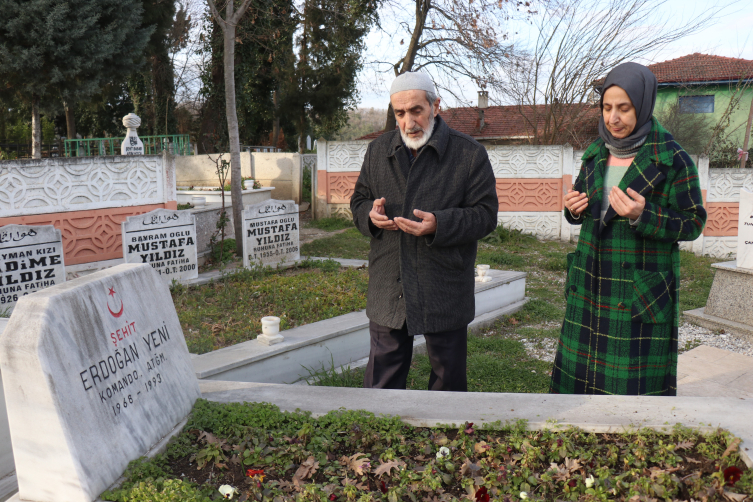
343, 156
725, 184
526, 161
722, 219
540, 224
88, 236
341, 211
340, 187
720, 247
81, 183
529, 194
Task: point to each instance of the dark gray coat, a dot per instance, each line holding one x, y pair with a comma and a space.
427, 281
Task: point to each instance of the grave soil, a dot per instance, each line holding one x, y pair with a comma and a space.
229, 311
349, 455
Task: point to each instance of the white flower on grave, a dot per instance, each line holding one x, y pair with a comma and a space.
523, 495
228, 491
443, 452
590, 481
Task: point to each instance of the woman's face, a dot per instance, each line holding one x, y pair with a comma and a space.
619, 112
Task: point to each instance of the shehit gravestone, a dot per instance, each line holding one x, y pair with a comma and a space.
31, 259
164, 239
95, 371
745, 231
270, 233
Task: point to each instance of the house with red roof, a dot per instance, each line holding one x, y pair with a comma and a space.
703, 84
520, 125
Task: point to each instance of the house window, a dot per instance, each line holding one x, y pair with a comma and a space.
697, 104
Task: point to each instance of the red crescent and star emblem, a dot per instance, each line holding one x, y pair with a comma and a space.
119, 312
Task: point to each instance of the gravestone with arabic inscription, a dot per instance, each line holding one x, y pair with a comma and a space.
270, 233
31, 258
164, 239
95, 371
745, 231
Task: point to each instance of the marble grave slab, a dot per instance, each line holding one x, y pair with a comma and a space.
31, 259
95, 372
745, 231
166, 240
270, 233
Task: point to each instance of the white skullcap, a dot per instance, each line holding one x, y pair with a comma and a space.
412, 81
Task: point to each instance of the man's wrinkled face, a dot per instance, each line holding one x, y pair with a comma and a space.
415, 116
619, 112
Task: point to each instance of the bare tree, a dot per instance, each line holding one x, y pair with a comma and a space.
577, 42
228, 25
459, 39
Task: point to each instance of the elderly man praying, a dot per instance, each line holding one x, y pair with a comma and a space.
426, 194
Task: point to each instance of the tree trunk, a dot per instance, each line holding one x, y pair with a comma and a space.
70, 119
276, 121
36, 129
302, 128
232, 130
746, 138
391, 122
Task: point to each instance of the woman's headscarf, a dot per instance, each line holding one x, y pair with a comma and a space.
640, 85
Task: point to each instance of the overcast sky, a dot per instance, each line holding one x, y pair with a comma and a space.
730, 36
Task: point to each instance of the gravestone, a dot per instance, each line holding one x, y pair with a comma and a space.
95, 372
31, 258
270, 233
131, 145
745, 231
166, 240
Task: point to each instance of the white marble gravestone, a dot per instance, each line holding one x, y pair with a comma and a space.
270, 233
95, 372
166, 240
745, 231
31, 258
131, 145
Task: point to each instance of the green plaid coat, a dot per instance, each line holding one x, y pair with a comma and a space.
620, 330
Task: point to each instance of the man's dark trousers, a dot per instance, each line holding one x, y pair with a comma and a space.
392, 350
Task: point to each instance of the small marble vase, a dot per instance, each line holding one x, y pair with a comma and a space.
482, 272
270, 328
198, 201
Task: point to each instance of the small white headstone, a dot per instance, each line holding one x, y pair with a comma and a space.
164, 239
270, 233
308, 142
745, 231
131, 145
31, 258
95, 371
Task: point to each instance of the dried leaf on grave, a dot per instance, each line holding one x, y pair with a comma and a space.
561, 473
328, 489
684, 445
481, 447
440, 439
420, 458
388, 466
571, 464
305, 470
244, 497
358, 463
469, 468
735, 497
693, 461
347, 481
286, 486
731, 448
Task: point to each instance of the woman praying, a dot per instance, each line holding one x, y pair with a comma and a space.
636, 196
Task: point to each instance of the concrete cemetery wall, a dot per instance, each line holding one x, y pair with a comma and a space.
531, 182
279, 170
86, 198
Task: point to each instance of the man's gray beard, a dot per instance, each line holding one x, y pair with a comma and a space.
415, 144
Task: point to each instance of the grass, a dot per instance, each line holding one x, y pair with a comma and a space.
350, 244
331, 223
265, 454
229, 311
497, 358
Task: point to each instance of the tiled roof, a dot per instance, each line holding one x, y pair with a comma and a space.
698, 67
506, 122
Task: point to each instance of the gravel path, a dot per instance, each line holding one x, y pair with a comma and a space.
691, 336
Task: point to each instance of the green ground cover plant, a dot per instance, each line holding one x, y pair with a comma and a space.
331, 223
229, 311
350, 244
253, 451
504, 358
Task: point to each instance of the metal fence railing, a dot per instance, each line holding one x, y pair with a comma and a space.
177, 144
9, 151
